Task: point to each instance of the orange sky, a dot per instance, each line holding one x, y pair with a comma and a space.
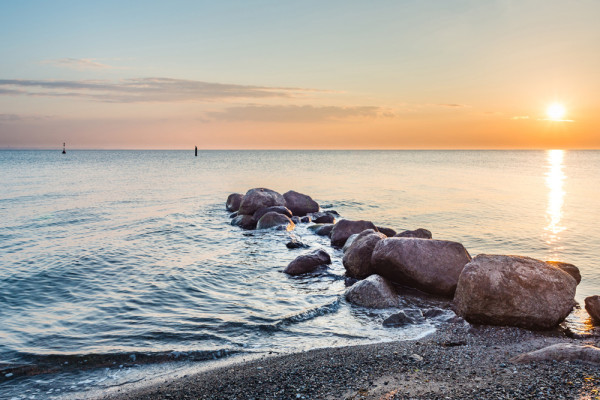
260, 75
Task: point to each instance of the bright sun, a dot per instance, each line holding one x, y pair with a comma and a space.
556, 111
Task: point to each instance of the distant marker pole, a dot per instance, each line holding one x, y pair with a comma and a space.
196, 151
64, 149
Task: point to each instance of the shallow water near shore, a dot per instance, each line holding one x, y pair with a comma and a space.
111, 260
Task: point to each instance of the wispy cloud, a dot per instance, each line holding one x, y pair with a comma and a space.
520, 117
295, 113
20, 117
452, 105
78, 63
144, 90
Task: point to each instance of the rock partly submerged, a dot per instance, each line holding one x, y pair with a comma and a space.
357, 258
258, 198
346, 228
244, 221
322, 229
275, 220
300, 204
233, 201
432, 266
420, 233
308, 262
278, 209
373, 292
592, 306
514, 291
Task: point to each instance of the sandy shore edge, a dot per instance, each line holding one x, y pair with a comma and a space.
458, 361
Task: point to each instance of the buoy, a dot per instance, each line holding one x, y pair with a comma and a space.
196, 151
64, 150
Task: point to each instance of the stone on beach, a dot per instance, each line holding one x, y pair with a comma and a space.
426, 264
258, 198
420, 233
514, 291
346, 228
373, 292
233, 201
244, 221
308, 262
357, 258
278, 209
592, 306
398, 319
275, 220
300, 204
562, 352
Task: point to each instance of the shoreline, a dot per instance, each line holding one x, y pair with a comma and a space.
457, 361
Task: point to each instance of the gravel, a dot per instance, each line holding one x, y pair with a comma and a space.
458, 361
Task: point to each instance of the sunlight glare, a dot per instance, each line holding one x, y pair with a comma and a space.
556, 112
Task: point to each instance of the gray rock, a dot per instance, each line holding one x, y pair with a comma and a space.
296, 220
592, 306
258, 198
389, 232
514, 291
244, 221
308, 262
357, 258
346, 228
420, 233
429, 265
300, 204
278, 209
373, 292
397, 320
349, 242
233, 201
275, 220
305, 220
562, 352
322, 218
568, 268
233, 214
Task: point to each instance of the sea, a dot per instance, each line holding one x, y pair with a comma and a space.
119, 267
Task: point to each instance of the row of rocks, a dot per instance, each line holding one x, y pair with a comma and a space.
487, 289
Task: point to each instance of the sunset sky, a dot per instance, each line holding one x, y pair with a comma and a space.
299, 74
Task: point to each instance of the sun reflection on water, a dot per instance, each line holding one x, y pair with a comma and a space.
555, 178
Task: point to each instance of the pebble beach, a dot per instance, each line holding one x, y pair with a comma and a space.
458, 361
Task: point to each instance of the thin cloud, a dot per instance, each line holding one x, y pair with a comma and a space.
452, 105
78, 63
520, 117
294, 113
145, 90
18, 117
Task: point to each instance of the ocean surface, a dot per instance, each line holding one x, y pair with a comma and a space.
113, 263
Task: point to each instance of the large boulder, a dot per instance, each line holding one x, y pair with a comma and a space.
258, 198
244, 221
568, 268
346, 228
300, 204
592, 306
429, 265
562, 352
275, 220
278, 209
357, 258
308, 262
373, 292
420, 233
233, 201
515, 291
349, 242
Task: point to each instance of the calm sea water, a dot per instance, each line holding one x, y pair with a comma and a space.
114, 259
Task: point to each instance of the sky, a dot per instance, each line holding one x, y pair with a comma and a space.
397, 74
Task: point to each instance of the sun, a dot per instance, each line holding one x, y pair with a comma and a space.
556, 112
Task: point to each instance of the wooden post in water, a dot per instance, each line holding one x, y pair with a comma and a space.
64, 149
196, 151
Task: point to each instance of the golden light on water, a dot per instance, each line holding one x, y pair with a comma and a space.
555, 178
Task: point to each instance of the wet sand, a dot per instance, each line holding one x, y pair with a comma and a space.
459, 361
